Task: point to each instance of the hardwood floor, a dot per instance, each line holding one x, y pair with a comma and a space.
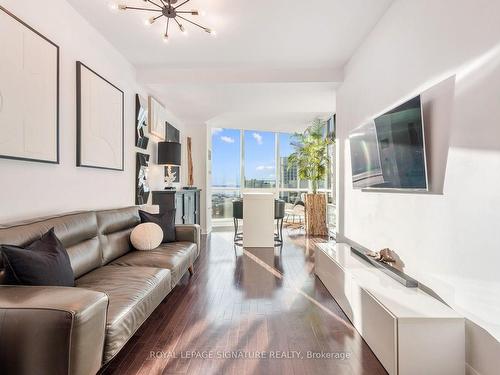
241, 304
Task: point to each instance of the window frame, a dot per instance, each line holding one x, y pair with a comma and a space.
278, 182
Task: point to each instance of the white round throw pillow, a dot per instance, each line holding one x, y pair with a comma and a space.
146, 236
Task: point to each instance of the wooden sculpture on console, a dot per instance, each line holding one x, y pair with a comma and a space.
385, 255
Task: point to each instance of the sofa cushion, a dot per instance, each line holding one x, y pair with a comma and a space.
146, 236
44, 262
114, 228
166, 221
77, 232
133, 292
175, 256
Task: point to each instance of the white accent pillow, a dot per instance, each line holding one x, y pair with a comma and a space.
146, 236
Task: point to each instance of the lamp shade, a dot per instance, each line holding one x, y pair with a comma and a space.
169, 153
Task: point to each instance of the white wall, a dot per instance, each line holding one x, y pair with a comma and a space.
32, 189
36, 189
449, 50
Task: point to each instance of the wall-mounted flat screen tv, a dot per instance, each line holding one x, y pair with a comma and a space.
389, 152
365, 157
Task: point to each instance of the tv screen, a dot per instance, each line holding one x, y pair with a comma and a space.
365, 157
389, 153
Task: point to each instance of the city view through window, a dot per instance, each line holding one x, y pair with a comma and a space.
259, 159
249, 160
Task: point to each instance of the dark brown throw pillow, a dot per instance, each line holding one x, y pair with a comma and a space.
45, 262
165, 220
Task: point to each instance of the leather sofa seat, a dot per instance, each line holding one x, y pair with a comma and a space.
133, 292
81, 329
174, 256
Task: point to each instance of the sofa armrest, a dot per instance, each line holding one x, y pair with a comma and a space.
189, 233
51, 330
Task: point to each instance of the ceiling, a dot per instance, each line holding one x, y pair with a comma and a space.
209, 102
278, 121
285, 50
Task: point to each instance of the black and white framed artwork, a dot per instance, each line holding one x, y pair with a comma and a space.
100, 121
29, 92
142, 189
156, 118
172, 133
141, 122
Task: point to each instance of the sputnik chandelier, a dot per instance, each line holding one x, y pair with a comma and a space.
168, 9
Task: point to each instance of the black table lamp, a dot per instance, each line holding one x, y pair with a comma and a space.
169, 154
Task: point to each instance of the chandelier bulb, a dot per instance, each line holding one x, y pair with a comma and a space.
165, 38
122, 7
150, 21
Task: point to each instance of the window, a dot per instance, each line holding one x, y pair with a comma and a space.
263, 164
226, 176
225, 158
222, 203
289, 178
260, 159
291, 197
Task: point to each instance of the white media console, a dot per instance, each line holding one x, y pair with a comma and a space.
410, 332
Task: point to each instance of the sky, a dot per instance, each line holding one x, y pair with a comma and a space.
225, 157
259, 155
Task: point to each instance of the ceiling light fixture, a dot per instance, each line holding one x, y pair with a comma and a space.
168, 9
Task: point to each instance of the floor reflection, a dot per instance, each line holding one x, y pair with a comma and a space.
248, 300
259, 272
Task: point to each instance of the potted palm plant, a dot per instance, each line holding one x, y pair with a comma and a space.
311, 159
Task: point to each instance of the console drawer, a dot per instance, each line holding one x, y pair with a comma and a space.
377, 326
409, 331
336, 281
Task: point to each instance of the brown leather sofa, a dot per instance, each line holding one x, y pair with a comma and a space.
59, 330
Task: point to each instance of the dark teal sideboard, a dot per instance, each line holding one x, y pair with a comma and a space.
185, 202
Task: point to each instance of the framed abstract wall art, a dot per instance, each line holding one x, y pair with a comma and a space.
100, 121
141, 122
142, 189
29, 92
157, 116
